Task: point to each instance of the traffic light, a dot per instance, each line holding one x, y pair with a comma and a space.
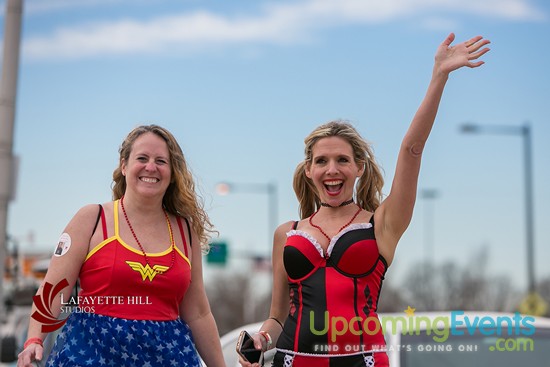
217, 254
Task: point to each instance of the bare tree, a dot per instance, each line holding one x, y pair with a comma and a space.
451, 287
226, 296
544, 290
391, 299
230, 297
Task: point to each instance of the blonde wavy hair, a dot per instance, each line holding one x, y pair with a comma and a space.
369, 186
180, 198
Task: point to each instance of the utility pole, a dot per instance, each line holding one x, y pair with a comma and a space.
525, 133
8, 93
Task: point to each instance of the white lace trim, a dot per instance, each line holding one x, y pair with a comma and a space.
313, 240
294, 353
349, 228
298, 232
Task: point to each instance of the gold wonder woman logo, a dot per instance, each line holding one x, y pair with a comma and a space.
146, 271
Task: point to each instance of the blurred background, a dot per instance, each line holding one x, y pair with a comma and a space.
240, 84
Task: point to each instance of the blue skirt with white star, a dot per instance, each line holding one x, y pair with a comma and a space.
88, 339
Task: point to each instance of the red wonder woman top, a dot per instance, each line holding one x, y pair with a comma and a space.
116, 281
334, 296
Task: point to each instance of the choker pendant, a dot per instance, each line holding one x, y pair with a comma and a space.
347, 202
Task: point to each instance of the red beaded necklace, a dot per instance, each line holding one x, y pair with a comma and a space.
340, 230
172, 242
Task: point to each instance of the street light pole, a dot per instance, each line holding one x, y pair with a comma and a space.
8, 93
429, 195
529, 216
270, 188
525, 132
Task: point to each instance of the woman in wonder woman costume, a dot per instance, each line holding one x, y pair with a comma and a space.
138, 260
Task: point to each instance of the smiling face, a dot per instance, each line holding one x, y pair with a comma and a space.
147, 169
333, 170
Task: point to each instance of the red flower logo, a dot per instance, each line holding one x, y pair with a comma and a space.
43, 304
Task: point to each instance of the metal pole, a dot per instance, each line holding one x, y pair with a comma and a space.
529, 217
272, 192
429, 195
8, 93
270, 189
525, 132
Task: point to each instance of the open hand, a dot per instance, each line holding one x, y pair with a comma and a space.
449, 58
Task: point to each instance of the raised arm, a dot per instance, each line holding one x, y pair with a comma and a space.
395, 213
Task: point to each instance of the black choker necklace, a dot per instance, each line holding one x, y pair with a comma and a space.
338, 206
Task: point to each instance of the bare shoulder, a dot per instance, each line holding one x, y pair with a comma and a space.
74, 242
84, 218
281, 231
284, 228
92, 210
87, 211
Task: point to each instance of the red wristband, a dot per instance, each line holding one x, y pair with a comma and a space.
33, 341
